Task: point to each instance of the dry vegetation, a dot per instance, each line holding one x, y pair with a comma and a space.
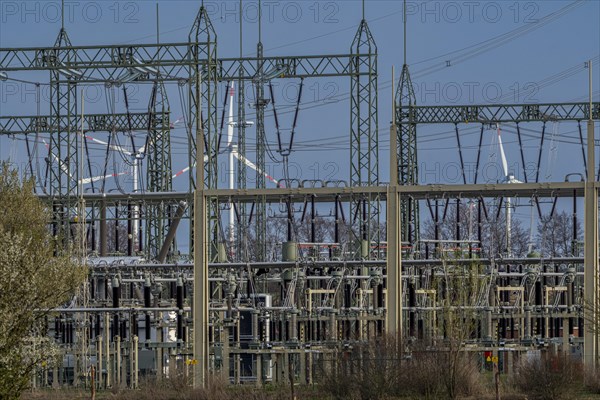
375, 372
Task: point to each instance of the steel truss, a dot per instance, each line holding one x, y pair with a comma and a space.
159, 171
64, 171
501, 113
106, 63
408, 173
369, 307
195, 63
23, 125
364, 150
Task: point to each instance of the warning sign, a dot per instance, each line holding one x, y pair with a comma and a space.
493, 359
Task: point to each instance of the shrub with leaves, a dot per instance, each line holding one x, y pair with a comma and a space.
33, 281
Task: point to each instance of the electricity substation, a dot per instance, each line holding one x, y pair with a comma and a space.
268, 276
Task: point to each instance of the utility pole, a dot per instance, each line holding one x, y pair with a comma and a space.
201, 236
591, 245
394, 262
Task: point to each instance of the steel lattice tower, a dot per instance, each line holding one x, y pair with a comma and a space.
261, 104
407, 156
242, 225
158, 174
64, 175
408, 173
203, 91
364, 150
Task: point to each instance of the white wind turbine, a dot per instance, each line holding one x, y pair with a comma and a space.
232, 149
232, 153
82, 181
137, 155
509, 178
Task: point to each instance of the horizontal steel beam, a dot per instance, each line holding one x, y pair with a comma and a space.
502, 113
112, 63
328, 194
546, 189
291, 66
90, 59
125, 197
13, 125
406, 263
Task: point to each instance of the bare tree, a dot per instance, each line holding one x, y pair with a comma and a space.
491, 231
117, 237
555, 235
371, 370
461, 288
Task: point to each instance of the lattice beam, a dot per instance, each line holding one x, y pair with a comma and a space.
506, 113
16, 125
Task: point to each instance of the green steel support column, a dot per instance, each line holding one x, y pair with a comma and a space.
364, 150
203, 90
63, 158
260, 212
261, 207
159, 171
241, 248
407, 157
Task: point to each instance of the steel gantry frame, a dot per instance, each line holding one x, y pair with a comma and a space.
197, 58
409, 115
195, 63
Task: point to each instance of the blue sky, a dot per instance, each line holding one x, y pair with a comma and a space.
512, 72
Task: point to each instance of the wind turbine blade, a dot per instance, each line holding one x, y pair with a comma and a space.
186, 169
61, 164
176, 122
142, 150
230, 123
87, 181
113, 147
183, 171
502, 154
531, 224
253, 166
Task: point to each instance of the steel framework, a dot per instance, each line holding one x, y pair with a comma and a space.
236, 311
